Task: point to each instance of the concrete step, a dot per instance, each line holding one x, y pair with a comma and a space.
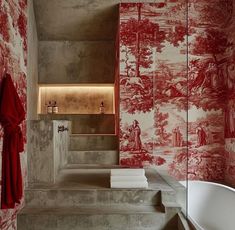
95, 218
91, 187
86, 123
74, 197
108, 157
82, 199
93, 142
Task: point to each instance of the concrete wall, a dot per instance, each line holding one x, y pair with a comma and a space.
76, 62
60, 142
32, 65
47, 150
76, 20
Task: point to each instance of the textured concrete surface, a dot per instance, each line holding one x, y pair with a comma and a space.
93, 185
76, 62
86, 123
82, 199
93, 142
97, 218
181, 192
88, 197
32, 65
47, 150
77, 187
93, 157
61, 141
76, 19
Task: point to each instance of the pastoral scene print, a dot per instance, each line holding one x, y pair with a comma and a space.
177, 78
151, 37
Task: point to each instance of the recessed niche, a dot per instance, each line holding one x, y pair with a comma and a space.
77, 99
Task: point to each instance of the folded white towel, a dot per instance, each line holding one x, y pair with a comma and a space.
127, 172
128, 178
129, 184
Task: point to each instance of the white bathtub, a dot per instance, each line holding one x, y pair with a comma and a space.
211, 206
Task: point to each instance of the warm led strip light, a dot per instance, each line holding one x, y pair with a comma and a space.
81, 87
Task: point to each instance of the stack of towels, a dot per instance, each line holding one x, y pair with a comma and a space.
128, 178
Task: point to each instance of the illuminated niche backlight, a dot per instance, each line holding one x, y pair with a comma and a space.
77, 99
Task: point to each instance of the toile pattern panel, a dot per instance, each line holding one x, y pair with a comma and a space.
13, 53
230, 98
136, 86
209, 51
170, 90
152, 83
202, 88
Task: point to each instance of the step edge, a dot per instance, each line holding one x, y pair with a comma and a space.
132, 209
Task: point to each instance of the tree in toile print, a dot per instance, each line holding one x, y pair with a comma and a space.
162, 136
207, 76
141, 39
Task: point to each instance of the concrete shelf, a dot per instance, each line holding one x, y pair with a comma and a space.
86, 123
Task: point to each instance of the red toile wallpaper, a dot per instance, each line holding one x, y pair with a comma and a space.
209, 57
152, 83
230, 105
171, 115
13, 53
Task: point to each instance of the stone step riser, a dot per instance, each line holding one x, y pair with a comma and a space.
75, 198
94, 124
140, 221
93, 142
93, 157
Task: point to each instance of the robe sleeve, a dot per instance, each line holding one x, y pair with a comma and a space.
11, 109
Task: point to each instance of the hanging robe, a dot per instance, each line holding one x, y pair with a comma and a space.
11, 115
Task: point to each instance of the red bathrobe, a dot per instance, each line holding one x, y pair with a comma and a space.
11, 115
